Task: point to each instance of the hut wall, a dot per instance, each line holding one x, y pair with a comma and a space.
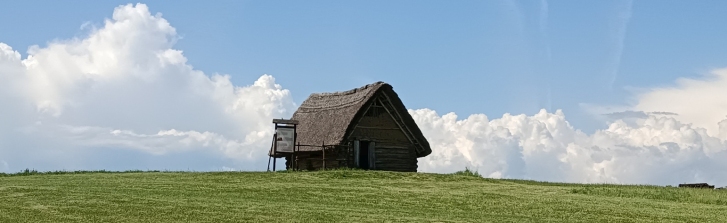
393, 151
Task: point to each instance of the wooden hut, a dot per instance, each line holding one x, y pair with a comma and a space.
367, 127
697, 185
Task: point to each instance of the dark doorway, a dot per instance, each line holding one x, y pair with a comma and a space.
363, 155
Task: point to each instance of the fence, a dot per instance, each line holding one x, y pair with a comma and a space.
314, 157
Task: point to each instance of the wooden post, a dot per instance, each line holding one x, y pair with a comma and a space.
271, 149
297, 166
324, 155
275, 148
295, 141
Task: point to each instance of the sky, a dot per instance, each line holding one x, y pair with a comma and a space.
602, 92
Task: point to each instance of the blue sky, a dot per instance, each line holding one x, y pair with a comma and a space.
466, 57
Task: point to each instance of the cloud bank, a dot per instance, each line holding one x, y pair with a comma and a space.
650, 150
124, 86
123, 98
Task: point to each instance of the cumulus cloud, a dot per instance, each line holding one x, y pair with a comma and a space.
654, 150
669, 135
124, 86
701, 101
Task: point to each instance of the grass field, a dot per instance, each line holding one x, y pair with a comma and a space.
339, 196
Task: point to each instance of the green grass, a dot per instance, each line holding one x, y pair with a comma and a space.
338, 196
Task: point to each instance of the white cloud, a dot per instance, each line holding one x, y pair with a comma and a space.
655, 149
702, 101
668, 135
124, 86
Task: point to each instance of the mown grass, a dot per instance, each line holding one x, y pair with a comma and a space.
338, 196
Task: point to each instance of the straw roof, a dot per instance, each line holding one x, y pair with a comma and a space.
329, 117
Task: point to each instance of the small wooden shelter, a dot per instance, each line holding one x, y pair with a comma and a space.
697, 185
367, 127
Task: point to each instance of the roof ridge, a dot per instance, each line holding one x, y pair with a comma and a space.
351, 91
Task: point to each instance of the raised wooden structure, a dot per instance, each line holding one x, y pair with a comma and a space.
281, 123
367, 127
697, 185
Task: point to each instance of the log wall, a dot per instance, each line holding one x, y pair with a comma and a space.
393, 151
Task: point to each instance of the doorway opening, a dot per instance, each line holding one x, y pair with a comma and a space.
363, 155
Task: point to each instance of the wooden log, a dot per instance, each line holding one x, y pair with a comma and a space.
398, 153
383, 145
285, 121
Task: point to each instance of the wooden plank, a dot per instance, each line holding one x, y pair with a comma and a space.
356, 150
372, 155
383, 120
381, 135
285, 121
394, 152
394, 162
390, 162
389, 149
395, 156
392, 146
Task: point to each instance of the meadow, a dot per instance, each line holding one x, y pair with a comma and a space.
339, 196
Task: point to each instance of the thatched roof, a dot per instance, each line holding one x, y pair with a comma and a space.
329, 117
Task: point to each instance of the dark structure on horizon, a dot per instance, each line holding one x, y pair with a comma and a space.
367, 127
697, 185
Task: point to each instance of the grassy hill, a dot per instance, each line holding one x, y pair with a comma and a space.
339, 196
